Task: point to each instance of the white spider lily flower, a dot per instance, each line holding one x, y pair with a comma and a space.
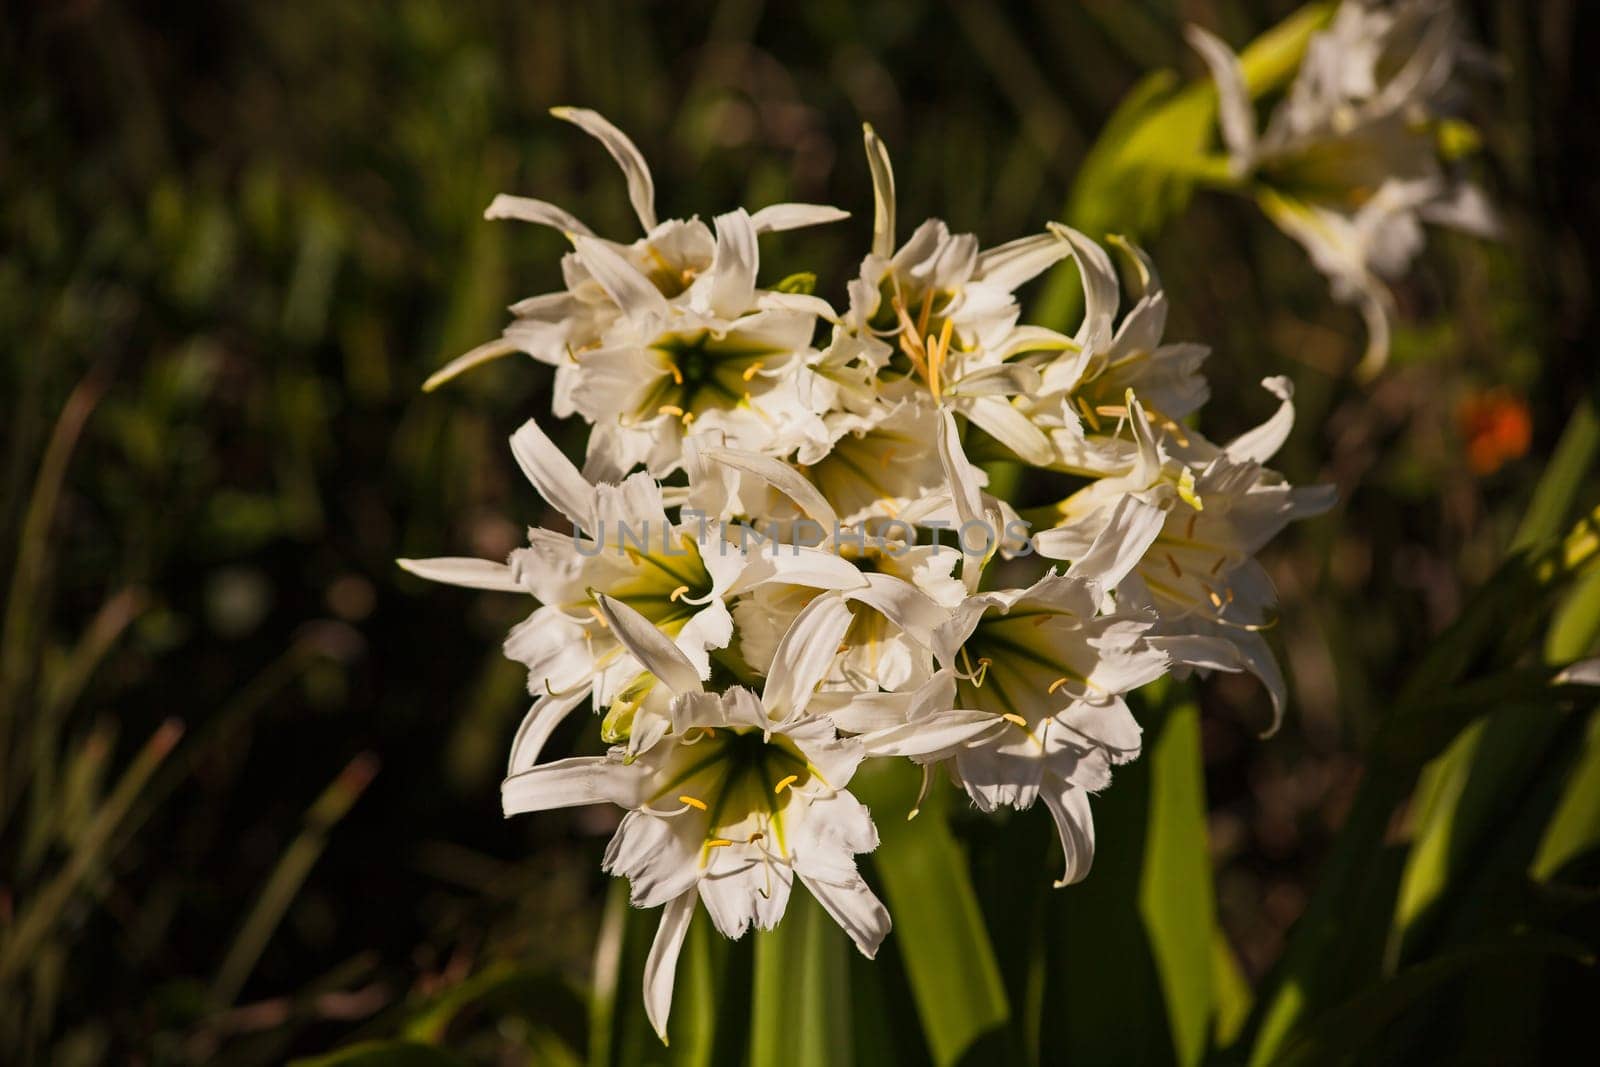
906, 585
1350, 161
672, 256
938, 285
714, 362
678, 575
1217, 508
1027, 701
745, 794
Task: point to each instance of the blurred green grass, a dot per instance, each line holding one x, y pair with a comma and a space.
233, 242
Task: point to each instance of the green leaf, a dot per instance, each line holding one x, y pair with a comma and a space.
804, 283
1175, 891
938, 927
1562, 479
801, 1008
1574, 829
384, 1054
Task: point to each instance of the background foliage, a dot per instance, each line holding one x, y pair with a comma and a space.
248, 769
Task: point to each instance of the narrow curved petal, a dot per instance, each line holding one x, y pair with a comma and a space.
641, 187
733, 284
465, 571
1069, 807
570, 783
661, 966
622, 282
487, 352
775, 218
854, 907
548, 712
553, 474
1015, 262
1234, 113
1100, 288
1118, 548
1000, 419
882, 193
538, 212
782, 477
650, 646
804, 656
1263, 442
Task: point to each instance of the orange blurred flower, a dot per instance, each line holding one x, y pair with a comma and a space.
1497, 426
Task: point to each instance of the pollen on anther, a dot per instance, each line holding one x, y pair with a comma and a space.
678, 592
752, 370
718, 842
1057, 684
670, 409
1012, 716
693, 802
785, 783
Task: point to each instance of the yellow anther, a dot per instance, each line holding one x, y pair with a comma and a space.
677, 375
1216, 601
678, 592
669, 409
752, 370
599, 618
688, 417
785, 783
1088, 414
1058, 683
693, 802
1012, 716
718, 842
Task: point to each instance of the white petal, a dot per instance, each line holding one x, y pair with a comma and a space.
804, 656
484, 353
933, 735
777, 217
547, 713
571, 783
1234, 112
856, 910
661, 966
814, 568
733, 282
1069, 807
553, 474
1000, 379
641, 188
782, 477
527, 209
649, 645
1015, 262
1263, 442
465, 571
1002, 421
1117, 549
882, 193
1100, 288
623, 283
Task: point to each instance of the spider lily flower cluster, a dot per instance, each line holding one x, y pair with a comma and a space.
1357, 156
741, 682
